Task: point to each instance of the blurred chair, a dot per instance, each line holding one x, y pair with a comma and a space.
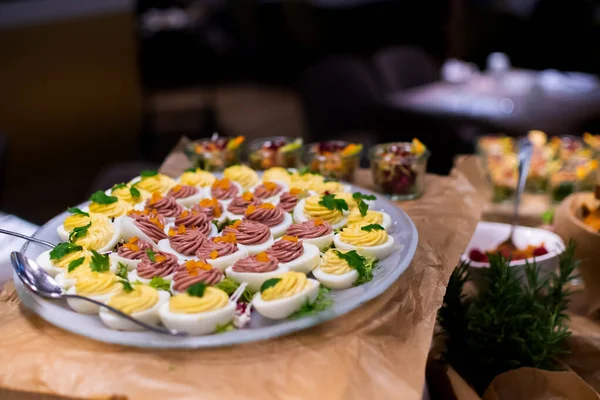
405, 67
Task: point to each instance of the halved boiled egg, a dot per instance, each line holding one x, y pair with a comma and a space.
371, 218
351, 201
223, 262
99, 234
133, 250
373, 243
309, 208
197, 177
334, 272
130, 230
78, 218
129, 194
187, 195
198, 313
255, 270
151, 182
276, 174
142, 303
57, 261
243, 175
288, 293
99, 286
270, 191
289, 246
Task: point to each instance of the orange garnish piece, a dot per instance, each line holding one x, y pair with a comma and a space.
270, 185
157, 222
132, 244
214, 254
295, 191
160, 258
221, 183
217, 210
248, 196
262, 257
155, 197
181, 229
133, 239
290, 238
266, 206
172, 231
227, 238
177, 188
250, 209
184, 213
318, 221
236, 224
193, 266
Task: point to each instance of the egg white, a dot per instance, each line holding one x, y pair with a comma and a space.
112, 243
149, 316
307, 261
254, 279
333, 281
254, 249
214, 231
164, 245
193, 199
232, 217
322, 242
129, 263
283, 308
133, 276
129, 230
221, 263
279, 230
199, 323
380, 251
63, 234
300, 216
86, 307
44, 261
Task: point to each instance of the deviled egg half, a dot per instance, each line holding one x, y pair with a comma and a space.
295, 254
110, 206
130, 253
99, 234
213, 209
238, 206
371, 217
277, 174
368, 241
222, 251
315, 231
198, 311
96, 262
183, 242
137, 300
242, 174
270, 191
187, 195
270, 215
224, 190
152, 181
99, 286
64, 256
197, 177
334, 271
129, 194
324, 207
256, 237
285, 294
144, 225
155, 264
255, 270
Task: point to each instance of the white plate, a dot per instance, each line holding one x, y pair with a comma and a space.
59, 314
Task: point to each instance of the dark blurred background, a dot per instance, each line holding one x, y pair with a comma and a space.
86, 86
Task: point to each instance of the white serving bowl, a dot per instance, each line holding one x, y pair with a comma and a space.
488, 235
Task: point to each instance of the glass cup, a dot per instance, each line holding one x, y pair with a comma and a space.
397, 172
275, 151
563, 183
334, 159
215, 153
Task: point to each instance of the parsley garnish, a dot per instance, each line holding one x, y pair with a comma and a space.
193, 169
150, 255
127, 287
197, 289
148, 173
304, 171
75, 263
330, 202
361, 264
269, 283
102, 198
225, 327
363, 207
99, 262
62, 249
361, 196
79, 232
135, 193
77, 211
372, 227
123, 271
159, 283
229, 286
322, 303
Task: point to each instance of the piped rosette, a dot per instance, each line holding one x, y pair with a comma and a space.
80, 219
98, 234
315, 231
294, 254
130, 253
368, 241
317, 207
222, 251
270, 215
183, 242
237, 207
186, 195
145, 225
225, 190
334, 271
289, 200
285, 294
370, 218
194, 219
270, 192
256, 237
155, 264
151, 182
195, 271
242, 174
212, 208
197, 177
129, 194
166, 206
255, 270
139, 301
99, 286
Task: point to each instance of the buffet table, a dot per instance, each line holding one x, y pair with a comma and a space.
376, 351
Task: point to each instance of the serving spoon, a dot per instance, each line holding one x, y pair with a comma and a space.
43, 285
524, 157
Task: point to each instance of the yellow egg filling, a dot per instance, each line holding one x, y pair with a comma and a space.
355, 236
331, 263
69, 257
290, 284
197, 178
372, 217
241, 174
80, 271
98, 234
97, 283
276, 174
313, 209
124, 194
75, 221
112, 210
157, 183
140, 299
306, 181
213, 299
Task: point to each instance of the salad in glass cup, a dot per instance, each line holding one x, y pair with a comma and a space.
215, 153
275, 151
399, 169
334, 159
